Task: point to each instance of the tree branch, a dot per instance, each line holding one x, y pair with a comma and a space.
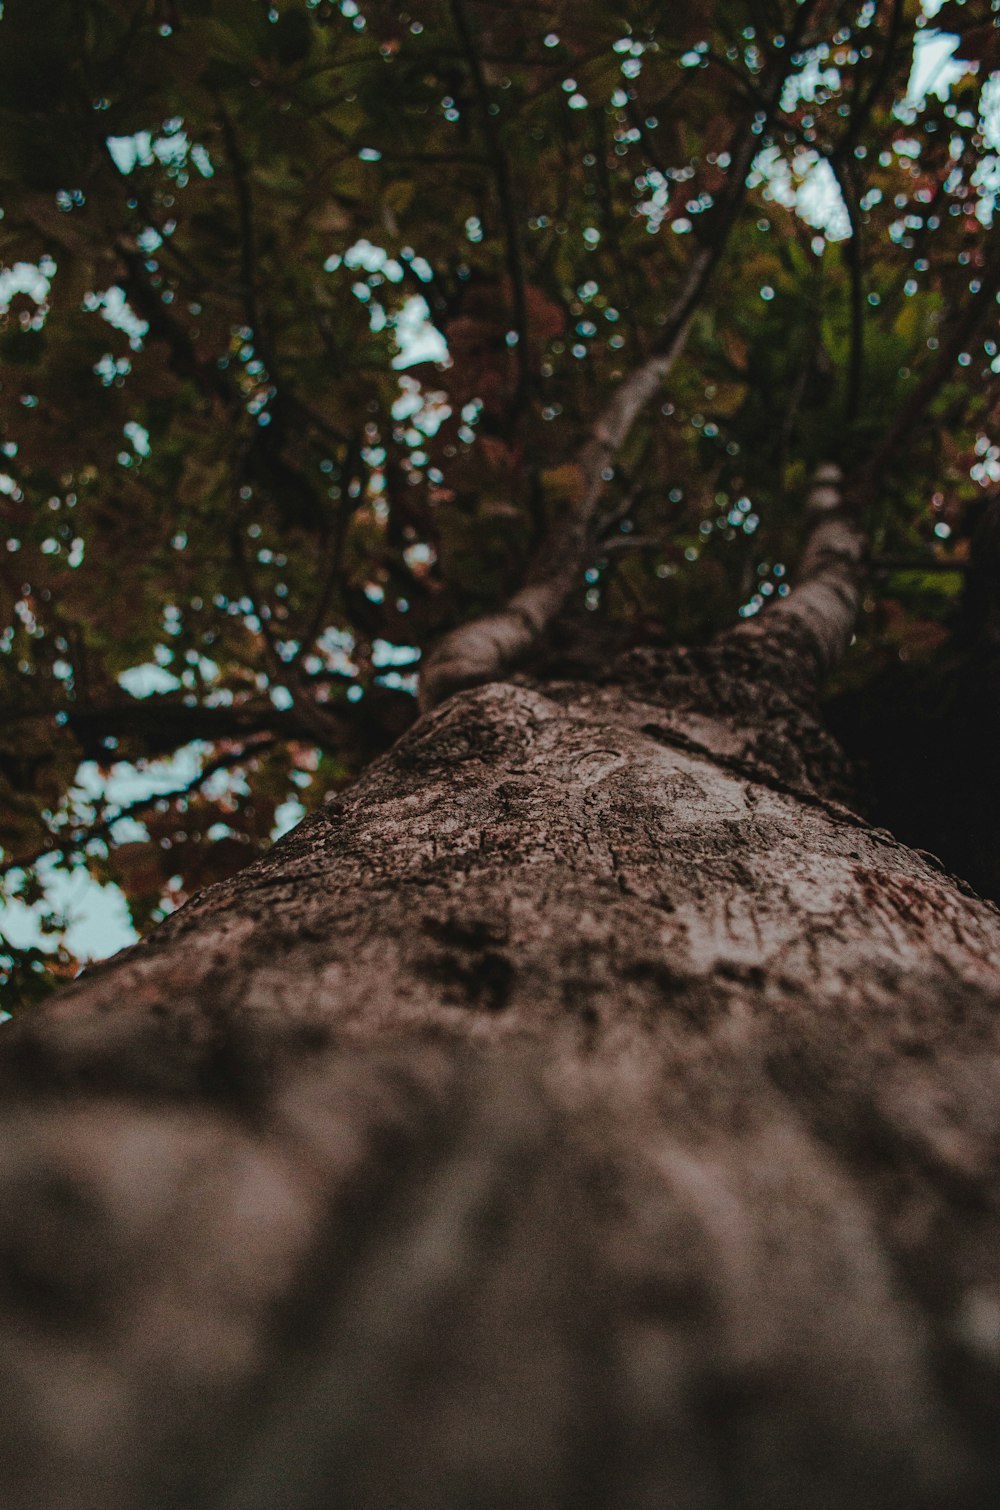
508, 207
861, 114
248, 238
855, 261
826, 597
483, 650
163, 724
334, 574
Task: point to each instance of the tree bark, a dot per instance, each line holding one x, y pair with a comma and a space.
590, 1109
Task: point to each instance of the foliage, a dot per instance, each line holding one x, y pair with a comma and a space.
244, 488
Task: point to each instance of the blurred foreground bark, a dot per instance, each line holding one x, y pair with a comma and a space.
590, 1110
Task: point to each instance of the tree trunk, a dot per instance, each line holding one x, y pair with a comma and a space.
589, 1110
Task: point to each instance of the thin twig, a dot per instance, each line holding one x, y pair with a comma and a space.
854, 254
508, 206
859, 118
317, 623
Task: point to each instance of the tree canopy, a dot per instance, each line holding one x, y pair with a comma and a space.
327, 327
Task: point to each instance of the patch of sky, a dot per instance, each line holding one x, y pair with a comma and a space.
33, 279
110, 369
416, 336
426, 411
125, 783
987, 469
286, 816
147, 680
935, 68
334, 651
655, 207
115, 308
385, 654
99, 922
172, 150
989, 111
811, 79
374, 259
398, 682
419, 556
418, 265
986, 178
806, 185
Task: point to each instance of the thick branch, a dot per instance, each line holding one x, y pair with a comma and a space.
827, 594
481, 651
161, 725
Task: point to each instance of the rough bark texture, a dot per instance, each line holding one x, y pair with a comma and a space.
590, 1110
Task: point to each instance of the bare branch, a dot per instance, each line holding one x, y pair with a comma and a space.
482, 650
162, 724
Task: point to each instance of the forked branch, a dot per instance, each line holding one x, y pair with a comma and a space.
487, 648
